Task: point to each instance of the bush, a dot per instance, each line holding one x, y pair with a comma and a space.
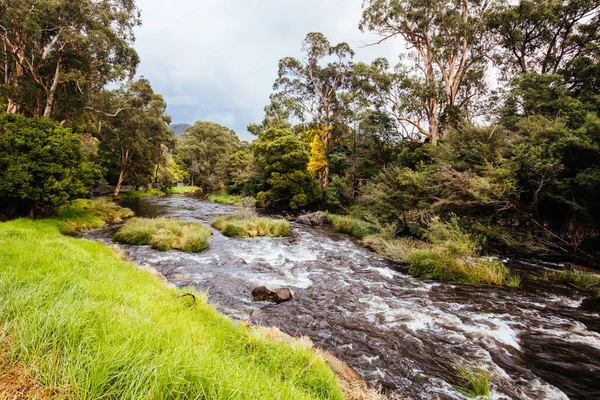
164, 234
248, 225
351, 225
41, 165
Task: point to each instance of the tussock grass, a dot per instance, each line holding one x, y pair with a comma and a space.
449, 255
250, 225
585, 281
98, 327
164, 234
352, 226
475, 381
223, 198
83, 214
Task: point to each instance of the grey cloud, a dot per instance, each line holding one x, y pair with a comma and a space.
217, 59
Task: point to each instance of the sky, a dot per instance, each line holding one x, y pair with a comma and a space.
216, 60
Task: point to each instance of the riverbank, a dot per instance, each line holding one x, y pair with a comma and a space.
136, 194
85, 323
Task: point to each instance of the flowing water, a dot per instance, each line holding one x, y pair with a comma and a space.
541, 341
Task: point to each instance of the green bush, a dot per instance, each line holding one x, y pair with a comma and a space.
250, 225
353, 226
164, 234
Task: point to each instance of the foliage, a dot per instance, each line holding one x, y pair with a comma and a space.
134, 136
206, 148
352, 225
318, 157
94, 326
164, 234
282, 162
250, 225
41, 165
223, 198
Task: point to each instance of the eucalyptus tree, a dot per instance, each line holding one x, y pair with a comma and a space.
206, 148
133, 133
544, 36
74, 47
308, 87
448, 44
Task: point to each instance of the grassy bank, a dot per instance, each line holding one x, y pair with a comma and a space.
83, 214
88, 325
164, 234
585, 281
352, 226
136, 194
229, 199
250, 225
449, 254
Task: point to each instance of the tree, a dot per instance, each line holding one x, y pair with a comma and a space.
133, 133
206, 147
41, 165
448, 46
282, 160
544, 36
75, 46
309, 89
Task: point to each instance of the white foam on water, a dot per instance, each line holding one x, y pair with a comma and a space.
571, 331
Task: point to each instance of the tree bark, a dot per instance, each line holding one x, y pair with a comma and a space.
52, 90
119, 183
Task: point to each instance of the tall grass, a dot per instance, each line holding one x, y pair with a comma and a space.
98, 327
352, 226
164, 234
136, 194
585, 281
184, 189
250, 225
449, 255
475, 381
83, 214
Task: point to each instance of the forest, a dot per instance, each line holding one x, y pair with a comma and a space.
490, 118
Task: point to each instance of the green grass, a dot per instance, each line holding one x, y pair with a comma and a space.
164, 234
352, 226
475, 381
250, 225
184, 189
83, 214
223, 198
136, 194
585, 281
95, 326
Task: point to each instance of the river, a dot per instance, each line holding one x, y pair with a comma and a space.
541, 341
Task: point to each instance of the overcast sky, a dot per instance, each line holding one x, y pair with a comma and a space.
216, 60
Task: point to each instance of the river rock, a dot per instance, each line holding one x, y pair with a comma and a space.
283, 295
279, 295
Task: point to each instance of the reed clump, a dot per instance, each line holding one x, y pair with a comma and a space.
251, 225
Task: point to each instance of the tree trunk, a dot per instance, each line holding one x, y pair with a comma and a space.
13, 106
31, 212
52, 91
119, 183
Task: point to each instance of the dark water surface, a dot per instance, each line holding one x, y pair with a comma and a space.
538, 342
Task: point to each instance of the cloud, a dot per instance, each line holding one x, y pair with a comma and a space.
217, 59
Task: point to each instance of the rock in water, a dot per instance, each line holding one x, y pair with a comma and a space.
263, 294
279, 295
283, 295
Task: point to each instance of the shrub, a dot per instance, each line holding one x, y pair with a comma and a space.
249, 225
353, 226
164, 234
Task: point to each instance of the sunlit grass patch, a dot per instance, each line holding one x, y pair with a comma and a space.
164, 234
251, 225
223, 198
352, 226
84, 214
184, 189
136, 194
95, 326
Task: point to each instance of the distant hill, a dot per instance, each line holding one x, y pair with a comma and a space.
178, 129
